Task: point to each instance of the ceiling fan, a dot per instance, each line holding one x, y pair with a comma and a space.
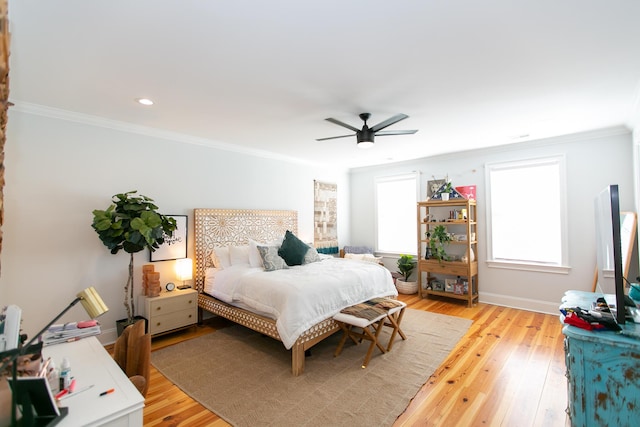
366, 135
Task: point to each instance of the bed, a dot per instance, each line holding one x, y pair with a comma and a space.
217, 228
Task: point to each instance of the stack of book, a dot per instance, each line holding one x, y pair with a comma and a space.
70, 332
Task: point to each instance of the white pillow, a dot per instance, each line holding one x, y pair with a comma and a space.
254, 256
239, 254
220, 257
364, 257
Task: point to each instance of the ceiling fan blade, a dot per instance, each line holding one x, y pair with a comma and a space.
388, 122
396, 132
333, 137
339, 123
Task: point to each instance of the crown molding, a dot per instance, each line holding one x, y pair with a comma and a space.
90, 120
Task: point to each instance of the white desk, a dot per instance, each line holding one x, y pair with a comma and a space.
92, 364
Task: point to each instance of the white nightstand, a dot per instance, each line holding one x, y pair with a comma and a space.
170, 310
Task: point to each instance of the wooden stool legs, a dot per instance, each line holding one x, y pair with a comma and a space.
394, 321
371, 332
367, 334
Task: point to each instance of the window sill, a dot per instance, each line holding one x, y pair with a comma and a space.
541, 268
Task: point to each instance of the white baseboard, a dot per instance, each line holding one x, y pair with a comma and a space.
108, 336
521, 303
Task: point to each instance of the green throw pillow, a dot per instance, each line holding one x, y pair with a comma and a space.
292, 249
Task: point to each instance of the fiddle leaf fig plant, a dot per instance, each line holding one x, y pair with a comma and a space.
131, 223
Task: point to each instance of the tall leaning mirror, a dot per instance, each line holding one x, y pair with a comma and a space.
628, 227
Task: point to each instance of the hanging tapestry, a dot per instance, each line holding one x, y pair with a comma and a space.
325, 216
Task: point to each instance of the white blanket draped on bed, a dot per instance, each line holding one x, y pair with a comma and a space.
301, 296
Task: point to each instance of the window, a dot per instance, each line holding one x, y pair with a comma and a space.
526, 214
396, 199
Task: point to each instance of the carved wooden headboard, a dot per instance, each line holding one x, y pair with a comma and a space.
234, 227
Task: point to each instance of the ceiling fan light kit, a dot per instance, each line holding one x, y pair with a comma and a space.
365, 136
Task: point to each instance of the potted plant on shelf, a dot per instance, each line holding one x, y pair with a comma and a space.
446, 191
406, 264
131, 223
438, 237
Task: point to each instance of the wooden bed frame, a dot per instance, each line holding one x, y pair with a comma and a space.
234, 227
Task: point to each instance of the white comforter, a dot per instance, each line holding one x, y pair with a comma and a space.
301, 296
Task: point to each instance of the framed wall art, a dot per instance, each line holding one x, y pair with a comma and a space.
174, 247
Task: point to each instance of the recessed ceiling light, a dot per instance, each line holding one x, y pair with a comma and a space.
144, 101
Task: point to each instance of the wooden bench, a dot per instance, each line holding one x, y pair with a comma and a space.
370, 327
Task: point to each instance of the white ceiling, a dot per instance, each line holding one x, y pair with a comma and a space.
263, 75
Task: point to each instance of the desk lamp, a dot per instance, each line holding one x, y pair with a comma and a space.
184, 270
93, 305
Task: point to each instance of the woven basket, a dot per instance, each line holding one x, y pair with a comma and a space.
406, 287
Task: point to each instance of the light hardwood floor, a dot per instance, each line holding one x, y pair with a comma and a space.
508, 370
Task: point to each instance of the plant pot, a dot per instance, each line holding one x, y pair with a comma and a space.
445, 196
123, 323
406, 288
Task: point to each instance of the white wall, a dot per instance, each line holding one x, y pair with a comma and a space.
58, 171
594, 160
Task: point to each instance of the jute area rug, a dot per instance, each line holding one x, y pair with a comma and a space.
245, 378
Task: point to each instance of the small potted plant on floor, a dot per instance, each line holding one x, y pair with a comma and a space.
438, 237
406, 264
131, 223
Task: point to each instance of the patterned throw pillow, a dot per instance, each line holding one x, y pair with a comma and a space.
270, 259
311, 256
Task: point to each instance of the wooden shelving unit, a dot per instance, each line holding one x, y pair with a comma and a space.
459, 217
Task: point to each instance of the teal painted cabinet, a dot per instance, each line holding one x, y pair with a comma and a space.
603, 373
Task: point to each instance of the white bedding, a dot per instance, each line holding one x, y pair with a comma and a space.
301, 296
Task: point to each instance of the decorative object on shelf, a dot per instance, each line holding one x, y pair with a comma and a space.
448, 285
446, 192
433, 186
132, 223
467, 191
175, 245
458, 286
406, 264
469, 256
438, 237
437, 285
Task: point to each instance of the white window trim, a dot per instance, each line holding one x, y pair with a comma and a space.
415, 175
564, 267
